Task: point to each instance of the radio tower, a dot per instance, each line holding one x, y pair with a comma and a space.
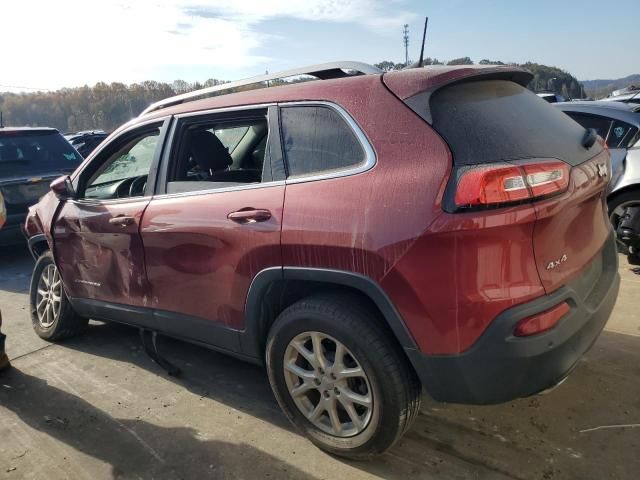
405, 36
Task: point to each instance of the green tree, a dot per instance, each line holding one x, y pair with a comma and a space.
460, 61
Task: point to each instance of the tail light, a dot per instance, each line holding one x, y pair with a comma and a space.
541, 322
500, 184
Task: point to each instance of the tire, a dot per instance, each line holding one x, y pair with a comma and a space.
620, 201
616, 205
59, 321
387, 379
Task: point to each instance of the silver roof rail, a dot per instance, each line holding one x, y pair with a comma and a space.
322, 71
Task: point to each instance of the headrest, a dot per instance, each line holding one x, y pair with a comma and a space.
208, 151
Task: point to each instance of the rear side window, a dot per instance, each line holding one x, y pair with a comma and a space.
497, 120
621, 134
617, 133
318, 140
602, 125
36, 153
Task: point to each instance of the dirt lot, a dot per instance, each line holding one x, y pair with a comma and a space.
97, 407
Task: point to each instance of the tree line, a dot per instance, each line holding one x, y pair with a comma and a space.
106, 106
545, 78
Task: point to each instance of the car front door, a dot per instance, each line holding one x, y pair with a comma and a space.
215, 223
97, 244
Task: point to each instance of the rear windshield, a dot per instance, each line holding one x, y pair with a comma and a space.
498, 120
36, 153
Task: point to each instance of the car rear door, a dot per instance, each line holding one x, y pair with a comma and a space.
97, 243
215, 223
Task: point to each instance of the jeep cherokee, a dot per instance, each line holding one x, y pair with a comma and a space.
364, 236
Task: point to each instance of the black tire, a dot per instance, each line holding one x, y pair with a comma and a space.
614, 202
626, 197
66, 323
394, 386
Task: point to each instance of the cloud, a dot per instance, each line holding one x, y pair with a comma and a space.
70, 42
374, 13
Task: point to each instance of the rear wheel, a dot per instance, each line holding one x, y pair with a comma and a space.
616, 205
339, 378
51, 314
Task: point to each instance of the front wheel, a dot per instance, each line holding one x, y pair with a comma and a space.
52, 316
339, 378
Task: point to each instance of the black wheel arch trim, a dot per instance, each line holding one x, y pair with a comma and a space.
33, 241
247, 344
253, 337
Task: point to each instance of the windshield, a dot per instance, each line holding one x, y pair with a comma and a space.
36, 153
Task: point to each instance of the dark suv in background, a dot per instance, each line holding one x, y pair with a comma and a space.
30, 158
363, 236
86, 141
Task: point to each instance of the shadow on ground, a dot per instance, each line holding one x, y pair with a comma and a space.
16, 263
118, 442
537, 437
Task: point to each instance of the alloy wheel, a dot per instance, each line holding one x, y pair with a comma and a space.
328, 384
49, 296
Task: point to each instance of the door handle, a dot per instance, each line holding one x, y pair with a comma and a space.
122, 221
249, 215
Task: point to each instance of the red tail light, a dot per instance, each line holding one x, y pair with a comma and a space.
541, 322
503, 183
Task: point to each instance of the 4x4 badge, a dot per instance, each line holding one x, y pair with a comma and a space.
556, 263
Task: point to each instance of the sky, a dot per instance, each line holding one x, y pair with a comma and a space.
48, 44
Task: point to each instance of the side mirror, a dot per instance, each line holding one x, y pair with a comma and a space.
63, 188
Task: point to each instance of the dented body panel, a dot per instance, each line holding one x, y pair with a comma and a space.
456, 283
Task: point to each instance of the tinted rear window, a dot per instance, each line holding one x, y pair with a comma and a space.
497, 120
318, 140
36, 153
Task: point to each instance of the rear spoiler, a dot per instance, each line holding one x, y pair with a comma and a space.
415, 86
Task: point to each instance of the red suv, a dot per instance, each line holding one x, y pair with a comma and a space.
364, 236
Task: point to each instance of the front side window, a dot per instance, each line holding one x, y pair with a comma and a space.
220, 153
318, 140
124, 171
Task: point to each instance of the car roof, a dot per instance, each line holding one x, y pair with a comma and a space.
27, 130
626, 112
623, 96
404, 83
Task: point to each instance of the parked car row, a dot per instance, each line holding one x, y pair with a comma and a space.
86, 141
619, 125
30, 158
442, 229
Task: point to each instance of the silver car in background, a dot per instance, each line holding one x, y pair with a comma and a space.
619, 124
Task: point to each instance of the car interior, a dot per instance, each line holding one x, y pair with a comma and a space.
125, 172
220, 155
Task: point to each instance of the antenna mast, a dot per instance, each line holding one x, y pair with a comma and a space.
424, 38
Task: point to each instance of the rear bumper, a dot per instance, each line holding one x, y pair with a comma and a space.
500, 367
